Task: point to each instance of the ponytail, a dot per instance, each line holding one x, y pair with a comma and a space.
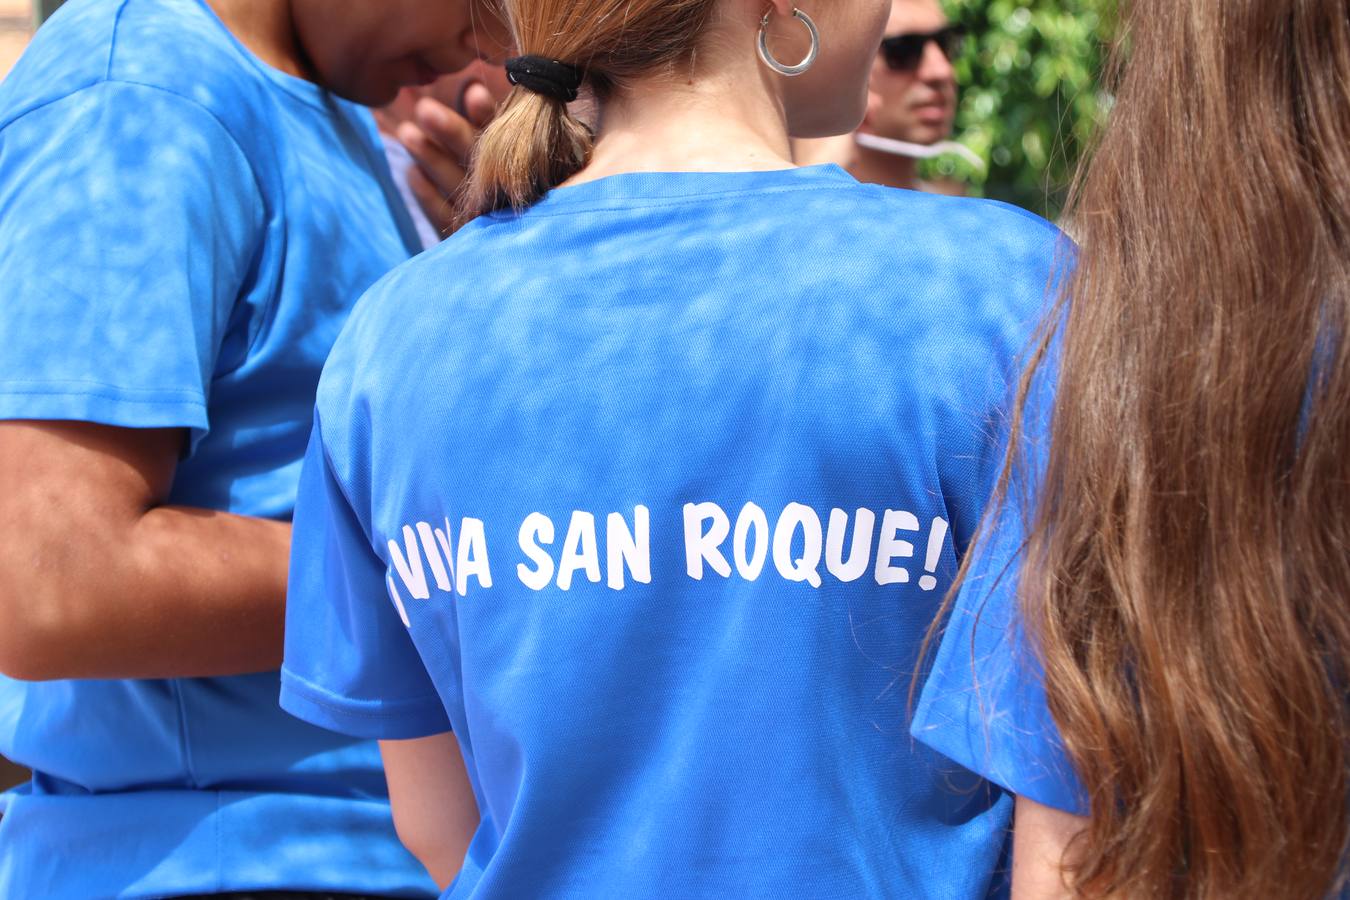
532, 146
536, 143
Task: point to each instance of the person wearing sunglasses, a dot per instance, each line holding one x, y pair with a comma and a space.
911, 100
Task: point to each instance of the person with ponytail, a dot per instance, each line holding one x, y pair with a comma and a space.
1152, 642
627, 505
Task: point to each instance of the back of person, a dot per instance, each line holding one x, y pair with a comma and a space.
667, 494
640, 496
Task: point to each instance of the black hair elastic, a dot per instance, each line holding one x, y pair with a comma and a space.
549, 77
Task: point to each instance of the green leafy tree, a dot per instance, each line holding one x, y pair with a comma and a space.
1030, 95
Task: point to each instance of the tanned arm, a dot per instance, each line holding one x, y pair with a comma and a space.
100, 579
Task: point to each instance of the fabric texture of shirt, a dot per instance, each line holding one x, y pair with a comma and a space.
983, 704
184, 231
649, 494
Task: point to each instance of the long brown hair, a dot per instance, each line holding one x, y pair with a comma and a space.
535, 143
1186, 577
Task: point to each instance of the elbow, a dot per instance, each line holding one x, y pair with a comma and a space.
442, 859
34, 646
26, 664
30, 659
58, 610
423, 855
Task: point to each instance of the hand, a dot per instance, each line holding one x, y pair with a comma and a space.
441, 141
438, 125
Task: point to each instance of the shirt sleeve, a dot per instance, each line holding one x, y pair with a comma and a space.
983, 704
129, 221
350, 663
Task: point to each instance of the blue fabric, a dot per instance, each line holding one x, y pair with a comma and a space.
515, 433
984, 703
185, 231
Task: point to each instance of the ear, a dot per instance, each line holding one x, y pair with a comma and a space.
783, 7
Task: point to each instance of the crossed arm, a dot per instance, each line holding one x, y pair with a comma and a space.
100, 578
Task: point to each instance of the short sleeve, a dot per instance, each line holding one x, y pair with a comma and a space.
129, 219
983, 704
350, 664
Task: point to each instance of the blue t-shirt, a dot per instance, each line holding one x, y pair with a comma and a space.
650, 494
983, 704
184, 231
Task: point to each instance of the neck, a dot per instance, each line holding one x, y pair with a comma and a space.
267, 29
727, 120
878, 167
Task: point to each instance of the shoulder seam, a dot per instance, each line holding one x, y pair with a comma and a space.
225, 129
50, 101
150, 87
112, 42
338, 482
878, 192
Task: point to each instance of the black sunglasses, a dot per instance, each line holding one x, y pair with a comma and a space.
904, 51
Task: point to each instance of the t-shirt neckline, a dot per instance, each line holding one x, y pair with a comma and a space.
644, 187
306, 92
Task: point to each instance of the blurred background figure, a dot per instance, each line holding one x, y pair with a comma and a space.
428, 134
910, 106
1030, 96
16, 28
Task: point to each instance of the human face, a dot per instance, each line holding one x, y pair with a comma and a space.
915, 105
830, 97
365, 50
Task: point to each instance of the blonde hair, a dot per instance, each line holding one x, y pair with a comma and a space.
535, 143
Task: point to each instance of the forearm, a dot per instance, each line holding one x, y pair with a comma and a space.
1042, 848
432, 800
99, 578
173, 592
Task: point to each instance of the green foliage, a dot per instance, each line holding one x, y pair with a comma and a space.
1030, 98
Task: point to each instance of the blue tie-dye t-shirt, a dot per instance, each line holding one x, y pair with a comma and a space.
649, 494
183, 231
